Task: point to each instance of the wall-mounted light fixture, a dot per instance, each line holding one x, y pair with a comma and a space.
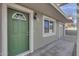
35, 16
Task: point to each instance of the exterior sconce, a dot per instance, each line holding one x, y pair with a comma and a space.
35, 16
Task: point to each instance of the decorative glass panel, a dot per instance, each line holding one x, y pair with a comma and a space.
19, 16
46, 26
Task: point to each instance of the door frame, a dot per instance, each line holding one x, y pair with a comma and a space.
60, 26
4, 27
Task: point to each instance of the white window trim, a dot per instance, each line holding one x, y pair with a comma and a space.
4, 27
50, 33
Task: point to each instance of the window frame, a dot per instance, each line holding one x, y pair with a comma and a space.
54, 26
45, 26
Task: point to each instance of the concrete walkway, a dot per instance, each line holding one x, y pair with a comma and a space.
62, 47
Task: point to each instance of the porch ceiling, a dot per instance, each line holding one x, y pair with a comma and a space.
61, 4
46, 9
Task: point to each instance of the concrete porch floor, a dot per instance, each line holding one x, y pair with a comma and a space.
61, 47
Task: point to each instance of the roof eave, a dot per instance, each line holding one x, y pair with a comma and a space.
55, 6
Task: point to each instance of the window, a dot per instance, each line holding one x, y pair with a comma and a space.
46, 26
49, 26
18, 16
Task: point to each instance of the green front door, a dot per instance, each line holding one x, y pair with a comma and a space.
18, 32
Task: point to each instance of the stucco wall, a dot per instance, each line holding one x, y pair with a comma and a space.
78, 31
39, 40
78, 40
0, 29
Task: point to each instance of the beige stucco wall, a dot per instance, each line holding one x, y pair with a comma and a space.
78, 32
78, 29
0, 28
39, 40
78, 40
